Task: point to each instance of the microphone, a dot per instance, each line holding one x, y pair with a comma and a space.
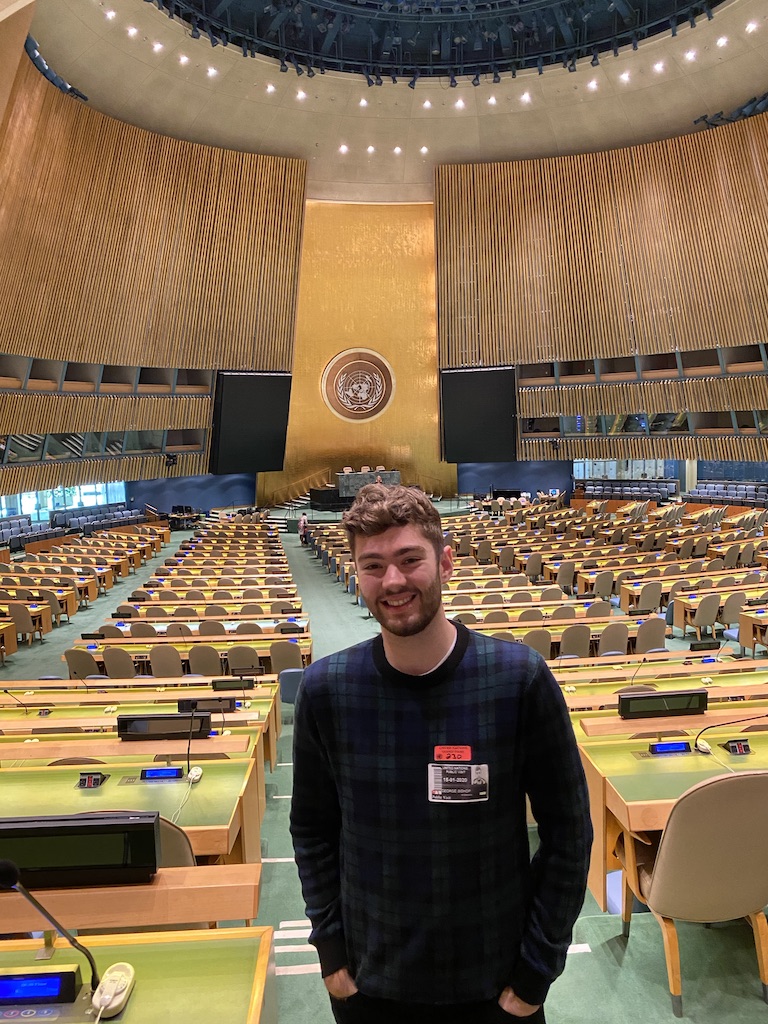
193, 709
20, 702
637, 670
9, 879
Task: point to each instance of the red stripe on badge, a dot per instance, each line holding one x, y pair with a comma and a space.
454, 753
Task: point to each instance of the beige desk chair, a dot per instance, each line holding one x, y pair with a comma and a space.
531, 614
650, 636
165, 661
245, 658
82, 664
22, 618
204, 660
697, 872
140, 628
285, 654
575, 641
211, 627
704, 617
540, 640
118, 663
178, 629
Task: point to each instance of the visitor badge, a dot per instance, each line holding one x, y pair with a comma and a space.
457, 783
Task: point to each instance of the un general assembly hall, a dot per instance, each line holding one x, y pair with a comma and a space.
508, 257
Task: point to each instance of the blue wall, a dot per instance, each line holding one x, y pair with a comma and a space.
203, 492
480, 477
734, 471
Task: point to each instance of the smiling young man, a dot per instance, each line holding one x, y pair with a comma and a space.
413, 756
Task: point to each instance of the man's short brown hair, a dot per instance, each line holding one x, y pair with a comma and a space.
377, 507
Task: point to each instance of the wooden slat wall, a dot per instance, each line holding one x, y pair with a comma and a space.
122, 246
15, 478
644, 249
736, 449
706, 394
58, 414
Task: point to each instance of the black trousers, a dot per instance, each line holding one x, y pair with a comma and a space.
360, 1009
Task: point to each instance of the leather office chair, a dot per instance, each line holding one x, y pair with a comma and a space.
696, 872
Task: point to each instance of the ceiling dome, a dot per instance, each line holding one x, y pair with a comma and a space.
446, 38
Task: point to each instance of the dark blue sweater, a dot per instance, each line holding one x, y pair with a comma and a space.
438, 902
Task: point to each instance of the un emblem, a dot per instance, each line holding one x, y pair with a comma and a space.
358, 384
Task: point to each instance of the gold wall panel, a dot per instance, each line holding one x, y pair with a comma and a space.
124, 246
645, 249
705, 394
16, 478
367, 281
735, 449
59, 414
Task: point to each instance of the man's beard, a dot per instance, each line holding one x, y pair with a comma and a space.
428, 604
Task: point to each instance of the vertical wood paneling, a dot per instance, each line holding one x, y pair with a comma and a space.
124, 246
645, 249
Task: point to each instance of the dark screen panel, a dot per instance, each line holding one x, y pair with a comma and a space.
250, 422
478, 414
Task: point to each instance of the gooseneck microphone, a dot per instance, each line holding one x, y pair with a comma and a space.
20, 702
9, 879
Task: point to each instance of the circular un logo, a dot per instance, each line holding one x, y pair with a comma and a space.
358, 384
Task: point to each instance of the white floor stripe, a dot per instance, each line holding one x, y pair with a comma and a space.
294, 924
579, 947
282, 797
293, 934
278, 860
304, 948
299, 969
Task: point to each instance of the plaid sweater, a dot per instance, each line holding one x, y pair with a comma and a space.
426, 901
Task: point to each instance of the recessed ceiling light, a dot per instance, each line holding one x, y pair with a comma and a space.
525, 98
212, 72
492, 101
132, 30
592, 84
343, 148
109, 14
752, 27
722, 41
371, 149
301, 95
423, 150
690, 55
183, 58
459, 104
624, 76
157, 47
363, 102
658, 67
397, 150
426, 104
270, 87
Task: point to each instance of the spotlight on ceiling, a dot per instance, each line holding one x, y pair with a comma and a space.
476, 79
414, 80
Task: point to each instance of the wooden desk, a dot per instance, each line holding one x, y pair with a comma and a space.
8, 637
753, 624
221, 816
174, 972
638, 792
39, 613
186, 895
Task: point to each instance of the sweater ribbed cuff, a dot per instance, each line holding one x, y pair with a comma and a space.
333, 955
529, 985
